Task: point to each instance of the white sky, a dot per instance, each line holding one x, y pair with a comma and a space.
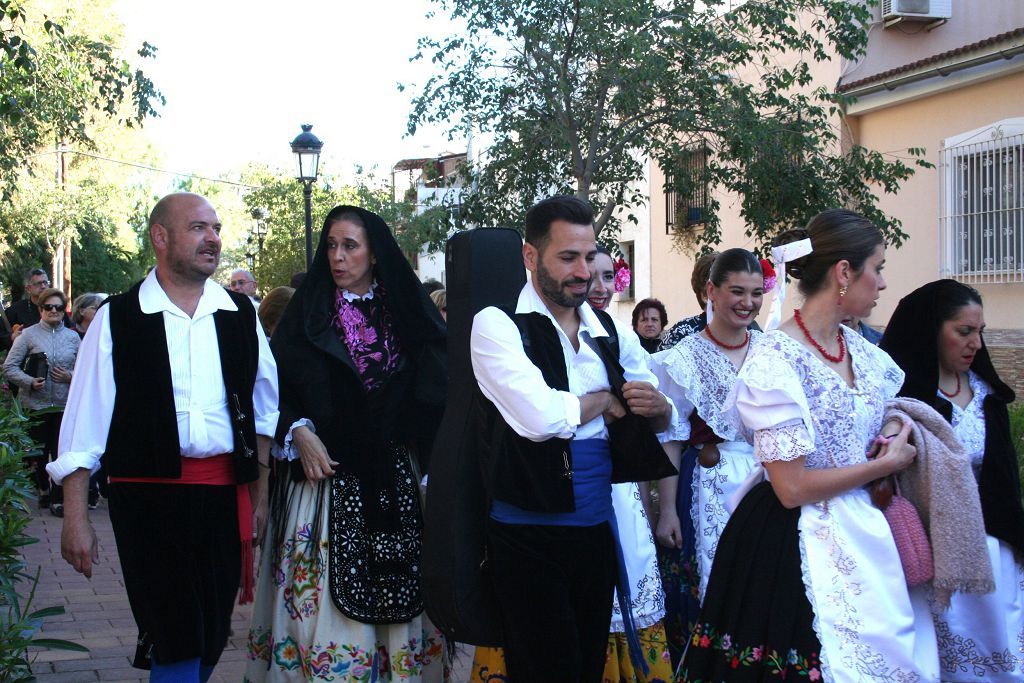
240, 77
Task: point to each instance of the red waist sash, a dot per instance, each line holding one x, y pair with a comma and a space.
218, 470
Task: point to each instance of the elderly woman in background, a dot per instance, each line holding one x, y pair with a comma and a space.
272, 308
83, 310
41, 362
649, 321
935, 336
361, 354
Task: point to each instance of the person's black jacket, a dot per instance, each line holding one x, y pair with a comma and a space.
319, 381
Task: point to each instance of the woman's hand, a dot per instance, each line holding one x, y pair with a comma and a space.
59, 374
316, 464
670, 531
896, 454
38, 383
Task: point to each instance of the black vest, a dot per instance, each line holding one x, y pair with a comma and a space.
537, 476
143, 438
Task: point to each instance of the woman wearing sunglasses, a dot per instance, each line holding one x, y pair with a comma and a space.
40, 363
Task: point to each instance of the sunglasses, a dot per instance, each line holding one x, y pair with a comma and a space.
39, 283
239, 283
52, 307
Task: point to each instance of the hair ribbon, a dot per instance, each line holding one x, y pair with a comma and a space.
780, 256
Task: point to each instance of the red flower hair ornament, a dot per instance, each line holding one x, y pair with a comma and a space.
623, 276
769, 275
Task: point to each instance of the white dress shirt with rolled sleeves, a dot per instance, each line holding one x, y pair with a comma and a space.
509, 379
200, 399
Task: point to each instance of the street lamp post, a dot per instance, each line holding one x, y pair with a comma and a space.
306, 148
259, 230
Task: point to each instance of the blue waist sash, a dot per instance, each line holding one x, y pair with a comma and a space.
592, 493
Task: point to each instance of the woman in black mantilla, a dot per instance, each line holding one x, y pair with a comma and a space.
935, 336
361, 358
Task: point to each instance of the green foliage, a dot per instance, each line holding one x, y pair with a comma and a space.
19, 621
40, 218
574, 96
1017, 437
57, 79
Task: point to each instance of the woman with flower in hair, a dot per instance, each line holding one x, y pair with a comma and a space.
699, 374
807, 582
360, 351
632, 502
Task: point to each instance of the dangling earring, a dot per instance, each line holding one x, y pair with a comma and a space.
842, 293
709, 312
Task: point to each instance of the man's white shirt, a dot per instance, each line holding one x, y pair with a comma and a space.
200, 399
509, 379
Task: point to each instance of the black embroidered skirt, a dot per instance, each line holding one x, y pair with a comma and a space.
375, 569
756, 622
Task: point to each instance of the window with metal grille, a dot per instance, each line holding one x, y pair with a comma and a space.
686, 203
981, 199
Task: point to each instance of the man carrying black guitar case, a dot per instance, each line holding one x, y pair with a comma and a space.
484, 267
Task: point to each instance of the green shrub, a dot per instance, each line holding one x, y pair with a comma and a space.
19, 622
1017, 433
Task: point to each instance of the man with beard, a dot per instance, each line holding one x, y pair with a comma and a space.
550, 539
172, 396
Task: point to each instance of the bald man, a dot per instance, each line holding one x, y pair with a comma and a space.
177, 398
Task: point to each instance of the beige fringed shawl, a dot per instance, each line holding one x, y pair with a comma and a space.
942, 487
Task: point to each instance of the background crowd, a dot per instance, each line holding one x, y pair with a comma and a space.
770, 549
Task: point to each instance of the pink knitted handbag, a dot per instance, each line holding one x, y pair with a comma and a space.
911, 540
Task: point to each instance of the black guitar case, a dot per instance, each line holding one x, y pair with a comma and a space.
484, 268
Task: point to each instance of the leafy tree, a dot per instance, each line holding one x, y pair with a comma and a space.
58, 78
576, 95
42, 218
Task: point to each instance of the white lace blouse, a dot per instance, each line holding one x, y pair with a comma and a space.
969, 422
695, 375
797, 406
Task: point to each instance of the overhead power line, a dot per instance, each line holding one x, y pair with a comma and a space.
151, 168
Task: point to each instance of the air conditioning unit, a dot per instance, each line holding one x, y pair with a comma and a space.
916, 10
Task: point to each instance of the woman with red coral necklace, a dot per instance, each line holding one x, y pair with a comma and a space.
698, 375
807, 581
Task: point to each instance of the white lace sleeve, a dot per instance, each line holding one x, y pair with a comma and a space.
769, 392
786, 441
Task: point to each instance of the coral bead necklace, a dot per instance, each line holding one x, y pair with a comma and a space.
838, 358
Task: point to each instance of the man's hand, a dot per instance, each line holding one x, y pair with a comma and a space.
78, 545
316, 463
260, 514
644, 400
614, 411
77, 538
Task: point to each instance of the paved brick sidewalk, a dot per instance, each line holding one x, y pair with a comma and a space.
97, 614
